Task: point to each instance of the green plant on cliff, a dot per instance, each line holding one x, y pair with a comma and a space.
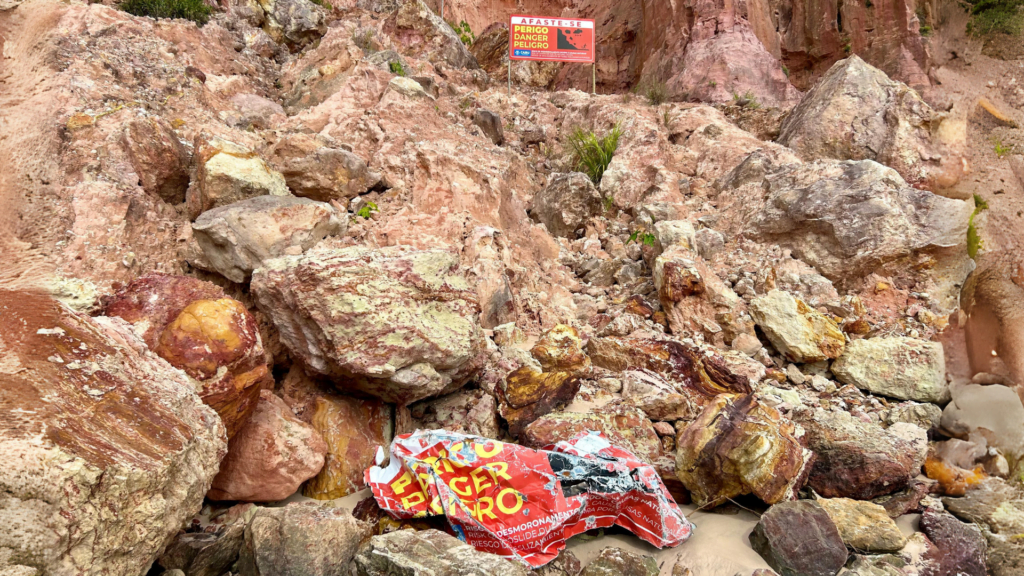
590, 154
464, 32
999, 16
396, 68
194, 10
368, 210
655, 92
974, 242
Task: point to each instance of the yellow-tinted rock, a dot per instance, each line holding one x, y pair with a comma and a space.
353, 429
864, 525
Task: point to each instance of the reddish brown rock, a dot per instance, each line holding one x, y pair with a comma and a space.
92, 422
740, 446
855, 459
214, 339
799, 538
270, 457
529, 394
695, 375
960, 547
625, 427
353, 428
158, 157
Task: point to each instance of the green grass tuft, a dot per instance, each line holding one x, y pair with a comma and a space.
396, 68
1000, 16
591, 155
974, 242
194, 10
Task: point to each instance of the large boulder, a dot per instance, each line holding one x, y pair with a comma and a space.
352, 428
855, 459
848, 218
213, 338
799, 539
294, 23
301, 539
625, 427
396, 323
998, 507
529, 393
565, 203
421, 33
210, 552
798, 332
158, 157
903, 368
429, 552
93, 423
316, 167
741, 446
237, 238
270, 457
224, 173
855, 112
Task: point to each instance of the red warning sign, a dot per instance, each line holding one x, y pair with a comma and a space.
551, 39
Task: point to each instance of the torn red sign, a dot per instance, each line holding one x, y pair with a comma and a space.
521, 503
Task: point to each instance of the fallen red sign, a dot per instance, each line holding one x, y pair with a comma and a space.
522, 503
551, 39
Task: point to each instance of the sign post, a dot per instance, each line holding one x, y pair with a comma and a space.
544, 39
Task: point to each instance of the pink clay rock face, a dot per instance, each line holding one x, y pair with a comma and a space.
214, 339
421, 33
352, 429
92, 422
396, 323
855, 112
158, 157
740, 446
270, 457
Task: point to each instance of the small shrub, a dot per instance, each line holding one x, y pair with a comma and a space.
366, 211
1001, 150
194, 10
323, 4
396, 68
1000, 16
591, 155
626, 98
655, 92
642, 236
609, 203
463, 31
785, 70
665, 119
974, 242
712, 83
364, 39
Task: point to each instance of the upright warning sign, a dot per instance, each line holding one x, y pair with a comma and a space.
551, 39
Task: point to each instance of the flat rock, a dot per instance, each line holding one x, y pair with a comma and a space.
565, 203
799, 539
396, 323
858, 460
864, 526
613, 561
430, 552
237, 238
490, 124
270, 457
408, 87
301, 539
903, 368
798, 332
740, 446
625, 427
92, 422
